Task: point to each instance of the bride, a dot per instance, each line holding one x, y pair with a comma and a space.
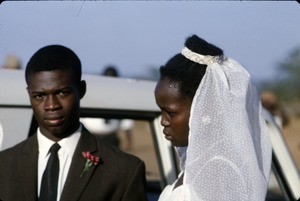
211, 113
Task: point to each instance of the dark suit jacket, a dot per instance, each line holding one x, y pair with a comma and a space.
119, 177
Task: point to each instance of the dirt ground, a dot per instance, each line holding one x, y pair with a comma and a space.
143, 147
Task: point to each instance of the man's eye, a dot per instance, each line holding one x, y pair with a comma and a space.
39, 96
64, 93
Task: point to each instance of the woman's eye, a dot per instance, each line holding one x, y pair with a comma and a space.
171, 114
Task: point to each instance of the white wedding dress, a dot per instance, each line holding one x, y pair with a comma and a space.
169, 194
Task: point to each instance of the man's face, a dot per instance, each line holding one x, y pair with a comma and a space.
55, 100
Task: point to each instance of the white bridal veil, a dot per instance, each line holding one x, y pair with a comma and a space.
229, 152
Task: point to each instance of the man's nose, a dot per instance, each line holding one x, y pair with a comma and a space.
52, 103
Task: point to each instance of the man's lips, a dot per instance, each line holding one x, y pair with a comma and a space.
53, 121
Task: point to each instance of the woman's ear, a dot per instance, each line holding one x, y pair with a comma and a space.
82, 88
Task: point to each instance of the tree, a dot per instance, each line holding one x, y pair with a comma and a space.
289, 83
287, 86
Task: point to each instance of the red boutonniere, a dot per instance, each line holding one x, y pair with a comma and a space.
90, 161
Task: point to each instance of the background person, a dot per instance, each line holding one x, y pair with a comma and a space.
11, 62
104, 129
55, 88
126, 125
211, 113
270, 102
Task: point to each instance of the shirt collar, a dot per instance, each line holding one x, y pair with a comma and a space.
67, 144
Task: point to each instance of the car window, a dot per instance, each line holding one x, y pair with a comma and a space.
143, 146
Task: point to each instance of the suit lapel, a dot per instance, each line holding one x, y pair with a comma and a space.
75, 184
27, 169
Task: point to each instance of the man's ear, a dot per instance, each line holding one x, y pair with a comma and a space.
82, 88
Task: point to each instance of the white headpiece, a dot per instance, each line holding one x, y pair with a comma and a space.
201, 59
229, 152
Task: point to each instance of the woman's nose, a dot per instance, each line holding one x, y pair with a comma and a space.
164, 121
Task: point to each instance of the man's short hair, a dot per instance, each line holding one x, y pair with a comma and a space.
54, 57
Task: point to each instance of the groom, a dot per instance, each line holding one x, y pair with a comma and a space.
29, 171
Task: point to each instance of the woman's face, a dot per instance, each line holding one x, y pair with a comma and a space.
175, 112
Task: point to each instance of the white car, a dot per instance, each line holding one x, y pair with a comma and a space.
119, 98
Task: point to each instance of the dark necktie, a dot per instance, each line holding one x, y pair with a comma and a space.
50, 177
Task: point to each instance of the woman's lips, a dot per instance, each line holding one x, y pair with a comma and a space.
167, 136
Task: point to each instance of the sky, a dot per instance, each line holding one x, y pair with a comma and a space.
136, 36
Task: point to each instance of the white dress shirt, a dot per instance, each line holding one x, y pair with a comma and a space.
65, 155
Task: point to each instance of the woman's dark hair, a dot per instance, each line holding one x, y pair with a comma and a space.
186, 73
54, 57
